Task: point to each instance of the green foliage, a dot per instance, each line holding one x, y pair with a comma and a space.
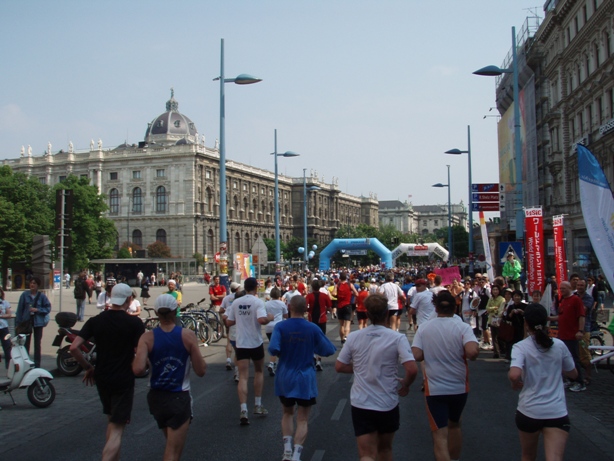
124, 253
158, 249
93, 236
25, 211
200, 260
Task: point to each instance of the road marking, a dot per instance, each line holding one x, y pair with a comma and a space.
318, 455
340, 406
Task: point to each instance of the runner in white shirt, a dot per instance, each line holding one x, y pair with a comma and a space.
444, 344
422, 303
537, 364
392, 292
373, 355
231, 332
280, 312
248, 313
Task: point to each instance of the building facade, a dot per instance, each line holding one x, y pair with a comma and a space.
566, 76
420, 219
166, 188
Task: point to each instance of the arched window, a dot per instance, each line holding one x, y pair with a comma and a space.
210, 244
161, 199
114, 201
248, 246
209, 200
137, 200
161, 236
237, 247
137, 237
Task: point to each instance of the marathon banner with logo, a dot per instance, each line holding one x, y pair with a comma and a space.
598, 211
534, 238
560, 263
486, 242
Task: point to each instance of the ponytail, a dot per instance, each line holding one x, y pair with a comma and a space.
542, 336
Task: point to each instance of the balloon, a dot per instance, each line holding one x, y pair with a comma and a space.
311, 254
314, 248
301, 250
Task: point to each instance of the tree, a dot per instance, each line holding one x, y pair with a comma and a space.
25, 211
124, 253
200, 260
93, 235
158, 249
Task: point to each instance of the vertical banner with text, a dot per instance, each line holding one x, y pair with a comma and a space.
486, 242
560, 263
534, 248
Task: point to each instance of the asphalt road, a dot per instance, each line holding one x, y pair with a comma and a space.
74, 427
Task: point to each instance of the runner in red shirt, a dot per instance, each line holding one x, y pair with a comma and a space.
361, 310
217, 293
343, 292
318, 307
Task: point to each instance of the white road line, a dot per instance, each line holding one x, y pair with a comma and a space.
340, 406
318, 455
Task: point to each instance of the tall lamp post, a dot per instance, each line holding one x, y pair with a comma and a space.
305, 252
449, 214
491, 71
242, 79
468, 152
277, 242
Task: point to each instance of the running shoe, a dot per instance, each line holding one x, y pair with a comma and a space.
244, 419
271, 368
236, 376
319, 366
287, 456
228, 365
260, 410
577, 387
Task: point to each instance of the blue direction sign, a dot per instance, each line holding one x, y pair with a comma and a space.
485, 188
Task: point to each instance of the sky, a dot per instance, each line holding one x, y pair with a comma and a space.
372, 92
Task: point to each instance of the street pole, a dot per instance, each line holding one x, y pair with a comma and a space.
305, 253
449, 217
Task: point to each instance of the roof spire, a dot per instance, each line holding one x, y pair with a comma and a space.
172, 104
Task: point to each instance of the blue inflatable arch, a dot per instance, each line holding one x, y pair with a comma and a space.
355, 244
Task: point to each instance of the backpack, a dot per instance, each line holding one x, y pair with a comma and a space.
79, 292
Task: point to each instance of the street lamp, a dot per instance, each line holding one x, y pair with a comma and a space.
277, 243
491, 71
449, 214
243, 79
311, 188
468, 152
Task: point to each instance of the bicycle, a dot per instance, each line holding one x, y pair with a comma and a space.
607, 354
208, 316
152, 321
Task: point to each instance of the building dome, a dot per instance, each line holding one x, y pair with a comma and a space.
171, 126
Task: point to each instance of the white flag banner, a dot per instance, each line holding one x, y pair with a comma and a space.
486, 242
598, 209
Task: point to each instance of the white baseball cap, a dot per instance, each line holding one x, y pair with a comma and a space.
120, 293
165, 301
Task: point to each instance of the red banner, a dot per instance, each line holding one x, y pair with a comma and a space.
560, 262
448, 275
534, 230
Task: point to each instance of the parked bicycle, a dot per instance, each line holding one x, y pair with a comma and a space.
206, 323
604, 353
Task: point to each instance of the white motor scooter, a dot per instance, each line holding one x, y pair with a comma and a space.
22, 373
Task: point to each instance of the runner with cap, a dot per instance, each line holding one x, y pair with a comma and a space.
116, 335
172, 351
172, 290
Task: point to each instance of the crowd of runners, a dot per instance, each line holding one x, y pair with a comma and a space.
452, 323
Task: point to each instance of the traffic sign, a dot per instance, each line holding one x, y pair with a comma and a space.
485, 197
485, 206
491, 187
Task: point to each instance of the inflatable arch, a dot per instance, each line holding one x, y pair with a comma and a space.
415, 249
355, 244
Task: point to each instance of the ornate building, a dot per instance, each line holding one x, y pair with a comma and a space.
166, 188
566, 73
420, 219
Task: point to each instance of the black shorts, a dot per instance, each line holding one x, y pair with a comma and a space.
268, 335
443, 408
254, 354
291, 401
334, 303
361, 315
116, 403
394, 312
369, 421
530, 425
322, 326
353, 307
344, 313
170, 409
